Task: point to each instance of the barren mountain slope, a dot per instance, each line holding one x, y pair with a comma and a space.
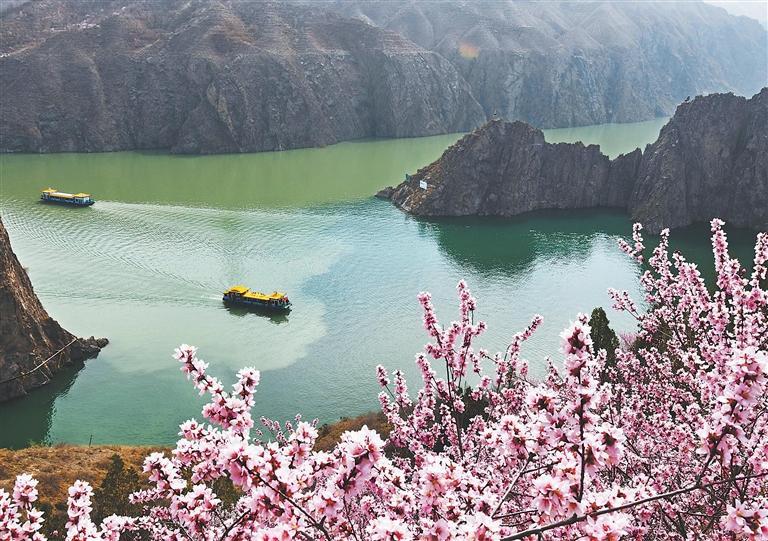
206, 76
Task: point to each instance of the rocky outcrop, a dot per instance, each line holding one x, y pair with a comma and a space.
710, 160
208, 76
205, 76
28, 335
507, 168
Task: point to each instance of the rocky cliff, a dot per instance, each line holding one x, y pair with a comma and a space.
710, 160
28, 335
507, 168
203, 76
206, 76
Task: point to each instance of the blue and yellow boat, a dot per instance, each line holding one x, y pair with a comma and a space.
52, 195
276, 301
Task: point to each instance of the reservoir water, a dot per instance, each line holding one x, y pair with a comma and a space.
146, 266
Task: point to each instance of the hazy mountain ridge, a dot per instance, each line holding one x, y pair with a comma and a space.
710, 161
556, 64
207, 76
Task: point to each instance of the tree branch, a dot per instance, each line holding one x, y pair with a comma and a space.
579, 518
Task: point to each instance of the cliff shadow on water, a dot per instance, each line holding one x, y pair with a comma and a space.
33, 414
510, 246
492, 246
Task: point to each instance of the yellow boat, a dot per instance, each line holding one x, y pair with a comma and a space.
243, 296
52, 195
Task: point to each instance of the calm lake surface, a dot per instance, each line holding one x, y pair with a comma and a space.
146, 266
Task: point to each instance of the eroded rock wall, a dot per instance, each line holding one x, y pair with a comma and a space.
28, 335
710, 160
214, 77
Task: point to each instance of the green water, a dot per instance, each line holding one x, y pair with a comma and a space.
614, 139
146, 265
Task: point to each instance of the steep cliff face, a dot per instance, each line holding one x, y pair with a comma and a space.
507, 168
28, 335
711, 160
206, 76
556, 64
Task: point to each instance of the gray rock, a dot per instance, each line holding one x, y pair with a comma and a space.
507, 168
710, 160
385, 193
85, 348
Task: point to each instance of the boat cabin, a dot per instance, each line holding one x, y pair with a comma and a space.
52, 195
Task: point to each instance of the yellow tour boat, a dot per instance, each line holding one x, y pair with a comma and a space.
242, 296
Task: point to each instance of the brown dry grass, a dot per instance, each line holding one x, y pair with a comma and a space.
329, 434
57, 467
